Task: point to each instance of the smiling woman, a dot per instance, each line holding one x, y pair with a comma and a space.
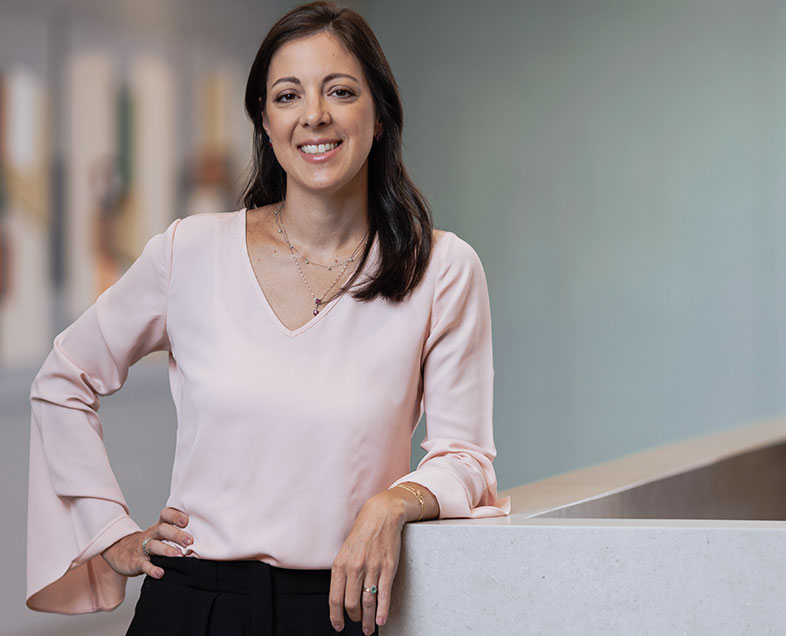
320, 115
298, 384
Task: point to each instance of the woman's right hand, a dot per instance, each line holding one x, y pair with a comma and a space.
127, 557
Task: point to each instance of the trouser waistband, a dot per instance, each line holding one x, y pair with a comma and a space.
256, 579
242, 577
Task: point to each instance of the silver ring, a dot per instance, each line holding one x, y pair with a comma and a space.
370, 590
145, 551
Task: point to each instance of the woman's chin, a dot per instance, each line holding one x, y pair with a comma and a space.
328, 186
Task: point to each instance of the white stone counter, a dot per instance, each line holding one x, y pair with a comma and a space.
683, 539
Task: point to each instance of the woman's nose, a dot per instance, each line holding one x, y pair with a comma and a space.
315, 112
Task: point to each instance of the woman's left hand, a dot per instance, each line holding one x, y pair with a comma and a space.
369, 557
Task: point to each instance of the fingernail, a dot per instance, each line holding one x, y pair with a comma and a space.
187, 541
380, 620
338, 628
183, 521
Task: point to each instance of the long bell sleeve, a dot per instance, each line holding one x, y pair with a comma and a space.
75, 506
458, 375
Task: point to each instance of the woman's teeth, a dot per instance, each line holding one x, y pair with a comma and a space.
318, 149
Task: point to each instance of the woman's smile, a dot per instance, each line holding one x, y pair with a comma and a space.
318, 151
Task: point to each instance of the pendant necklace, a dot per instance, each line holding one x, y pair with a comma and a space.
293, 251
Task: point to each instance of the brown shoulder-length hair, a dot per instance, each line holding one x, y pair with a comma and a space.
399, 214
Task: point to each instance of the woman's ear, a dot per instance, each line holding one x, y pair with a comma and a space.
265, 121
378, 130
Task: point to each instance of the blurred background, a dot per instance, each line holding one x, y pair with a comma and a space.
620, 167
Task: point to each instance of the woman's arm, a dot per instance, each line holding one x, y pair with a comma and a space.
456, 477
370, 555
75, 507
458, 389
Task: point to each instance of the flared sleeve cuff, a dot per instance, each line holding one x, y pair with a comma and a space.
66, 536
74, 578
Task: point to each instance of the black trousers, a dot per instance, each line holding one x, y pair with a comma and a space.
235, 598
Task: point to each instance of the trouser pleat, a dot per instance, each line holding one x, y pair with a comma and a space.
168, 609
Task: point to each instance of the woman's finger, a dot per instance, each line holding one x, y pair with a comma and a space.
355, 576
152, 570
383, 594
174, 516
171, 533
368, 602
154, 546
336, 597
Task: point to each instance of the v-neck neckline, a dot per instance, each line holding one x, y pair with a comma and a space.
324, 310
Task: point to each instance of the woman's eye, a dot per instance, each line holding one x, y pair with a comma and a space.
342, 92
286, 97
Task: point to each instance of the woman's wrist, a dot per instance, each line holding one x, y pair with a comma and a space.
396, 506
418, 495
416, 502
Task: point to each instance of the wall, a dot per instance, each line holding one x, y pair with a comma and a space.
619, 168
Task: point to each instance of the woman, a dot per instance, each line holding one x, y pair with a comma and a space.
307, 333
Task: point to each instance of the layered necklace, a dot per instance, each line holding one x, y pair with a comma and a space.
322, 298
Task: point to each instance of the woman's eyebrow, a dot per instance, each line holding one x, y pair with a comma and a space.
290, 78
332, 76
328, 78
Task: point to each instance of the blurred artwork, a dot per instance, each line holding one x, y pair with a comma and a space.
24, 217
211, 179
122, 179
109, 193
93, 200
109, 186
143, 134
152, 157
5, 244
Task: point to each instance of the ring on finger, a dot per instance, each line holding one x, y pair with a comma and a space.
371, 589
145, 551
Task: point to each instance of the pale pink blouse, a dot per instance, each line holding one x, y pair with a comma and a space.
282, 435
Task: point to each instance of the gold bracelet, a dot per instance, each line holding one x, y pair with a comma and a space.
419, 495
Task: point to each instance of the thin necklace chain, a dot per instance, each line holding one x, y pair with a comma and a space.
294, 253
308, 261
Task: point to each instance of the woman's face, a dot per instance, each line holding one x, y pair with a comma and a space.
320, 114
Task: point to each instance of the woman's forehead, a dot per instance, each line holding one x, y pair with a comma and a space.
313, 56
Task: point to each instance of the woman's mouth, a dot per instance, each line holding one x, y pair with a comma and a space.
318, 152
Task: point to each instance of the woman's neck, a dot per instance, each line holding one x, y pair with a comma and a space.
325, 224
